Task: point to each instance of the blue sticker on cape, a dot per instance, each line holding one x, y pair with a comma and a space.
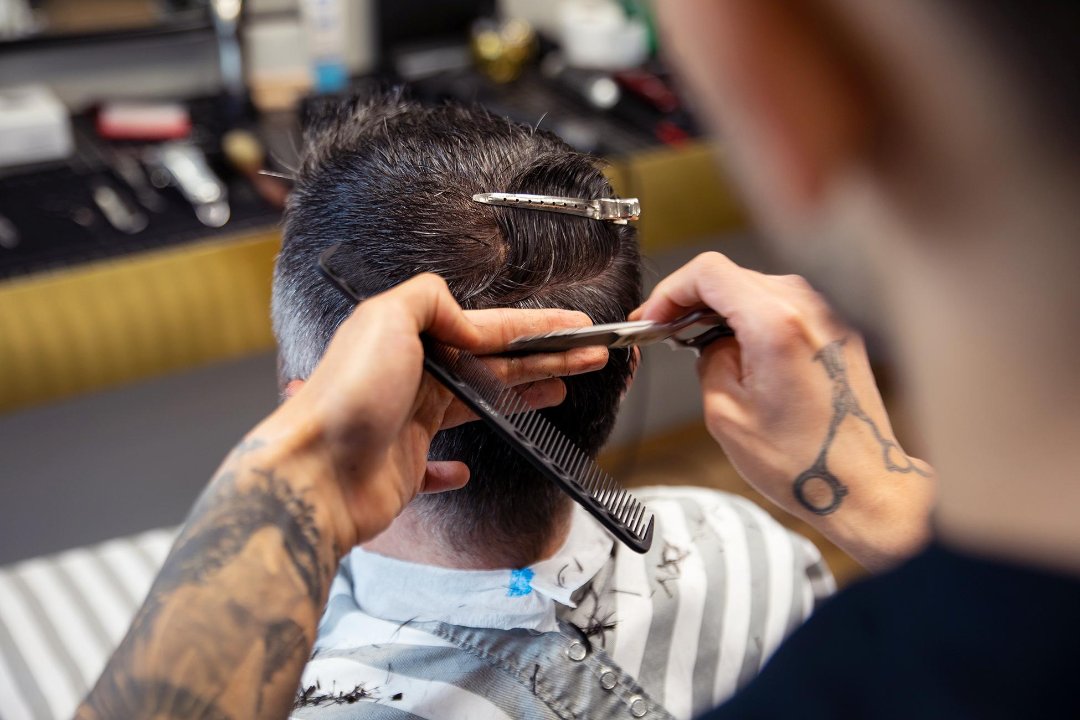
520, 583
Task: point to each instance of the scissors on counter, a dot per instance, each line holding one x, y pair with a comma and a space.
693, 331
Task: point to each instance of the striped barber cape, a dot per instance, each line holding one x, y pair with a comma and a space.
667, 634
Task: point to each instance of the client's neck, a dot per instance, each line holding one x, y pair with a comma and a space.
414, 538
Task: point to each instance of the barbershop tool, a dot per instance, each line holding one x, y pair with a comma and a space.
90, 163
502, 49
118, 210
128, 168
678, 333
185, 166
9, 234
145, 121
528, 432
616, 210
595, 87
244, 151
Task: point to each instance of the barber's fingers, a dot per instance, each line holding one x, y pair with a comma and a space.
433, 309
498, 326
427, 302
709, 280
774, 317
541, 394
722, 374
721, 367
535, 376
530, 368
443, 475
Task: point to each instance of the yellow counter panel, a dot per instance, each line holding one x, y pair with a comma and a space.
95, 325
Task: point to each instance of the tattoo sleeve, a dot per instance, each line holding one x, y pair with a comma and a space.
844, 403
230, 619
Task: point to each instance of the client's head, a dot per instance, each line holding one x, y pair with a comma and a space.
393, 181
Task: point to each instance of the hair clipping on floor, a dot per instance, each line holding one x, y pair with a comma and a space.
616, 210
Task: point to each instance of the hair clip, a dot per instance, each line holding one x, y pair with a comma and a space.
615, 210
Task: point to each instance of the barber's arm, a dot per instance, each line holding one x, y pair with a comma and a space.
793, 402
231, 618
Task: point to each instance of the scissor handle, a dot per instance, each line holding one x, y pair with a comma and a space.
698, 342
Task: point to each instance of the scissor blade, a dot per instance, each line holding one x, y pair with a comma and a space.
562, 342
621, 334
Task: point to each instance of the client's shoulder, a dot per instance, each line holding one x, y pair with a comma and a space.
694, 493
703, 535
675, 503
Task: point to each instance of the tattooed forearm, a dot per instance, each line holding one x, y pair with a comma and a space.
844, 404
133, 698
224, 520
230, 619
285, 643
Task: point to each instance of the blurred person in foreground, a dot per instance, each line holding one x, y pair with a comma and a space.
509, 566
917, 160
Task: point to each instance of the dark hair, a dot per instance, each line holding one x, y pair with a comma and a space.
394, 181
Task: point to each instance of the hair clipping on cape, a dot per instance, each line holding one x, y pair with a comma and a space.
616, 210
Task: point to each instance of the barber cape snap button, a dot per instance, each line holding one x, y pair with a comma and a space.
638, 707
608, 681
576, 651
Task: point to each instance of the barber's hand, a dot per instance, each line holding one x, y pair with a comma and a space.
535, 376
793, 402
361, 426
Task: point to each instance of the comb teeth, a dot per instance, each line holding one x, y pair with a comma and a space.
544, 445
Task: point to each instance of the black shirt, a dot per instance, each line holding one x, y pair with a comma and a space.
945, 635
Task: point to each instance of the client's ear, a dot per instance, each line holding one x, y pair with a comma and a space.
291, 388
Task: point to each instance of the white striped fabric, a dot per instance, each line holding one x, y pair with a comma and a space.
633, 608
61, 617
725, 523
686, 628
12, 703
699, 620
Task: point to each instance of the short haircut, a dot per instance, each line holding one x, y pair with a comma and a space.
393, 181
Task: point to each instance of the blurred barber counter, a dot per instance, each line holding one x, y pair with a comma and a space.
129, 258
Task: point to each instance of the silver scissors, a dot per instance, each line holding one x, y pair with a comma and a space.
693, 331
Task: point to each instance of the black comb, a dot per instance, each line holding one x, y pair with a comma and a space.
552, 453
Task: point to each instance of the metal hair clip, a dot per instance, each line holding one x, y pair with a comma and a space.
616, 210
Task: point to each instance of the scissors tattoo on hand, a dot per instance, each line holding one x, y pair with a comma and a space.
844, 403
